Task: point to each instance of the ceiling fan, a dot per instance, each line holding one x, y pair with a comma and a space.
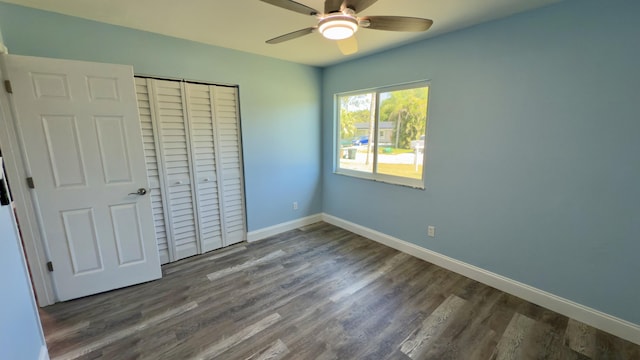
340, 22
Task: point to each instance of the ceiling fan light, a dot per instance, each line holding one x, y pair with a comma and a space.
338, 27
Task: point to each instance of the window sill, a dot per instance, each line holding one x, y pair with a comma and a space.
386, 179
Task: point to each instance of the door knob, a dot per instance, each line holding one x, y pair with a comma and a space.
141, 191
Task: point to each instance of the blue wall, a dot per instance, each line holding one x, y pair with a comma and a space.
279, 100
533, 155
20, 333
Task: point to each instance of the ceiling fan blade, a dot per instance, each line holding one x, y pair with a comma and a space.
348, 46
359, 5
291, 36
395, 23
332, 6
293, 6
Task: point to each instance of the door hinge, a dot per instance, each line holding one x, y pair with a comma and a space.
49, 266
30, 183
8, 87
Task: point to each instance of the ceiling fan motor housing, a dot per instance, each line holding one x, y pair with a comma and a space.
338, 26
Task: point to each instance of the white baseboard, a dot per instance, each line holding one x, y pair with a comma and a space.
605, 322
44, 354
280, 228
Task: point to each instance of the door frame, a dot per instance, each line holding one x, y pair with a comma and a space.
17, 172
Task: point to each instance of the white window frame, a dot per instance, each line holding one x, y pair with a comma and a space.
374, 175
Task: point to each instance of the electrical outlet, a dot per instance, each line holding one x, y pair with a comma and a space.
431, 231
295, 205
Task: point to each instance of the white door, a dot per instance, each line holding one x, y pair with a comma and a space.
79, 125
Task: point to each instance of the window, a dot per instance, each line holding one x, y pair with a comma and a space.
381, 133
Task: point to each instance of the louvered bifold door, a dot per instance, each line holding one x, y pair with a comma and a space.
174, 141
204, 171
154, 171
229, 156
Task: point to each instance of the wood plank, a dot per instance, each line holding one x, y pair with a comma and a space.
121, 334
580, 338
216, 275
415, 345
275, 351
235, 339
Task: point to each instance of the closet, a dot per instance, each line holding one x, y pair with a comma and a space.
192, 144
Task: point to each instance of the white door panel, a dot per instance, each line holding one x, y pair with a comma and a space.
174, 142
229, 151
201, 121
79, 125
155, 172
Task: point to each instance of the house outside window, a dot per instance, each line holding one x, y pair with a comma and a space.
381, 133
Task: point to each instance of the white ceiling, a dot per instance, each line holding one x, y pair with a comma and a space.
245, 24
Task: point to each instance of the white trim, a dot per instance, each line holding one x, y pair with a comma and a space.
17, 171
282, 227
611, 324
44, 354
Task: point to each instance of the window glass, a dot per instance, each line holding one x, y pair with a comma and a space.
403, 120
357, 117
381, 134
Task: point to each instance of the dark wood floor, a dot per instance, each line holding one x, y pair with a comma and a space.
316, 293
